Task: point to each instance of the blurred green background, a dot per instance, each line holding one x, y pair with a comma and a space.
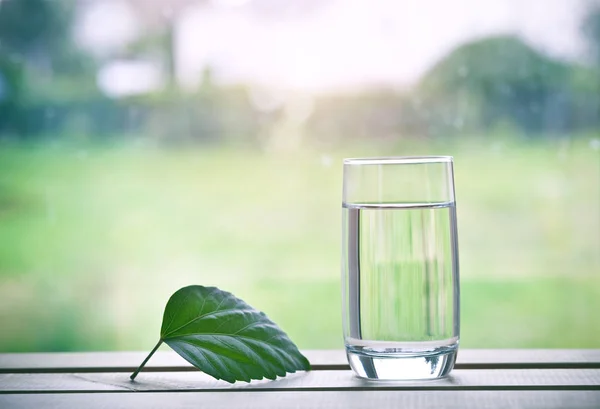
108, 204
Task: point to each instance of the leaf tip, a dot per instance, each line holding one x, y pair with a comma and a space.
306, 366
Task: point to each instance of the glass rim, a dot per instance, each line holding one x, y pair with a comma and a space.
398, 160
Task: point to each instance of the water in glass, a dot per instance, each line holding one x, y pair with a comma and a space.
400, 289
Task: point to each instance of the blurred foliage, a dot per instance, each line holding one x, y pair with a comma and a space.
210, 115
48, 87
38, 33
501, 79
11, 89
49, 82
482, 86
369, 114
591, 30
83, 224
35, 30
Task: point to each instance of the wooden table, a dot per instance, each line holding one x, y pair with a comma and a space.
481, 379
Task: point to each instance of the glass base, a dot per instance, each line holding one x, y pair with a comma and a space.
402, 366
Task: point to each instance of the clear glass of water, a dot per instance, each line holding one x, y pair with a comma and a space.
400, 285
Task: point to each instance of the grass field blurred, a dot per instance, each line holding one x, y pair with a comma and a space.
93, 240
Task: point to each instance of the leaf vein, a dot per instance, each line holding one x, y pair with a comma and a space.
246, 327
208, 314
174, 314
220, 334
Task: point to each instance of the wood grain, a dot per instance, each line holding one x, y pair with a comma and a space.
166, 361
301, 400
485, 379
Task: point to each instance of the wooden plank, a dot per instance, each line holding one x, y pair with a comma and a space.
530, 358
485, 379
300, 400
320, 359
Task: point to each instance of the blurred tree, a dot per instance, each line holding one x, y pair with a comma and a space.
490, 81
211, 114
488, 86
591, 31
38, 32
368, 114
46, 76
11, 90
161, 19
587, 81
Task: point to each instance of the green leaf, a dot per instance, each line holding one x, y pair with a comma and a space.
226, 338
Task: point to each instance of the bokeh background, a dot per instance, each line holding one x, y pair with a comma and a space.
146, 145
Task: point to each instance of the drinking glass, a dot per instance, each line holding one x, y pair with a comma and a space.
400, 285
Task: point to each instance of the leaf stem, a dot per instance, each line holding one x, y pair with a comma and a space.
133, 375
